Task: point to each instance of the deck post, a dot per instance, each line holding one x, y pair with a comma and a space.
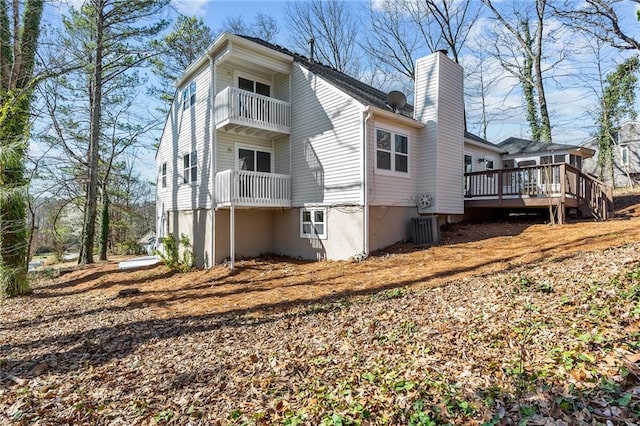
232, 237
500, 172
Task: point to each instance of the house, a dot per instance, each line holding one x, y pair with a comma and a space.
626, 156
267, 151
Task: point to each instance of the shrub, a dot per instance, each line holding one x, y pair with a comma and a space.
171, 256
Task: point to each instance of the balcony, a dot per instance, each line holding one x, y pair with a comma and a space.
240, 111
244, 188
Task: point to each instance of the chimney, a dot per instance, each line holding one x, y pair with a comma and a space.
312, 45
439, 104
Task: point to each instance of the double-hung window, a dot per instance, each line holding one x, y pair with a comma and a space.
190, 163
163, 175
189, 96
313, 223
392, 151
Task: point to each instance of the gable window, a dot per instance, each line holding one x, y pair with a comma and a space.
190, 167
392, 151
189, 96
163, 175
313, 223
624, 155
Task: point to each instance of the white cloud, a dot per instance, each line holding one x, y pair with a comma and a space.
191, 7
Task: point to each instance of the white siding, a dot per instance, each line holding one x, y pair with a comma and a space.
439, 104
326, 139
187, 131
282, 155
477, 153
387, 189
224, 78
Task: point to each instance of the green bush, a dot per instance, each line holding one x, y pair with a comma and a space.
171, 256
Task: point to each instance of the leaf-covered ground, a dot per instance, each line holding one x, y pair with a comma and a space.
508, 323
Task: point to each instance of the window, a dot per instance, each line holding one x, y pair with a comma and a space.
392, 151
313, 223
254, 160
163, 175
189, 96
468, 168
488, 165
190, 162
559, 158
624, 155
575, 161
254, 86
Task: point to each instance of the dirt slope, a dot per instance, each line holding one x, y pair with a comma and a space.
466, 250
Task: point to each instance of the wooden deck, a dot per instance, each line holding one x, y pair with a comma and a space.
556, 185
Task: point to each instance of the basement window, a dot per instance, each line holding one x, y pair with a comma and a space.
313, 223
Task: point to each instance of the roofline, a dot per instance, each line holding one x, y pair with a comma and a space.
217, 44
394, 116
488, 145
588, 151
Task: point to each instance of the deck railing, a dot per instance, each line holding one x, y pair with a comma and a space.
237, 106
245, 188
560, 181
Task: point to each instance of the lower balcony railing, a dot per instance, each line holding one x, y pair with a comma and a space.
244, 188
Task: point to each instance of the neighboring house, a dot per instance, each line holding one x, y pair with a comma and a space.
147, 243
266, 151
626, 156
525, 152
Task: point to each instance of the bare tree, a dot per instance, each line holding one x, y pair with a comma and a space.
334, 28
403, 30
263, 26
602, 19
523, 59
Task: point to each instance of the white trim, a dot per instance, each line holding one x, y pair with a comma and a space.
313, 210
237, 146
392, 153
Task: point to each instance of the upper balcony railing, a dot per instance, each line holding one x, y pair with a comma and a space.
236, 107
245, 188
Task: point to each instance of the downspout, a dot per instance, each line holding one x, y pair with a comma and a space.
212, 155
365, 181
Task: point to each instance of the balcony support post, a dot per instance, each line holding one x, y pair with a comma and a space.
232, 237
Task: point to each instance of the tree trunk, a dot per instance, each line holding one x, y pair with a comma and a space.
104, 225
89, 227
545, 127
